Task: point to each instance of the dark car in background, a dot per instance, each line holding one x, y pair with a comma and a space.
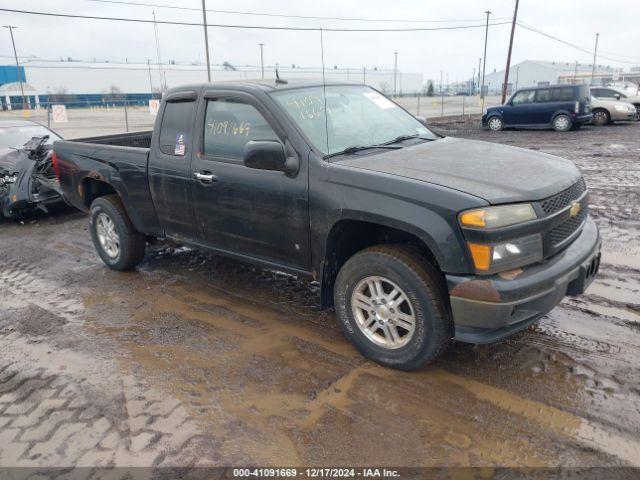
27, 179
561, 107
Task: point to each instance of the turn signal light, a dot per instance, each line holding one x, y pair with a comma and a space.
481, 255
474, 218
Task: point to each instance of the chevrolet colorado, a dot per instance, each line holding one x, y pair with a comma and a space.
415, 238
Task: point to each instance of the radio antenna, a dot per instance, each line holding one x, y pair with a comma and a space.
324, 91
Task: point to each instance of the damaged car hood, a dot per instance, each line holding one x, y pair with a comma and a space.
10, 158
496, 173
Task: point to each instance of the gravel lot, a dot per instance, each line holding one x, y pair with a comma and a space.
195, 360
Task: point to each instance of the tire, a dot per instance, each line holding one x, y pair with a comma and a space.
601, 118
562, 123
422, 296
119, 245
495, 124
637, 105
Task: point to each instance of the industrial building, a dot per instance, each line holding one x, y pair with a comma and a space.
531, 73
87, 83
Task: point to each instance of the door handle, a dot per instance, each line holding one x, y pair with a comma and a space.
205, 177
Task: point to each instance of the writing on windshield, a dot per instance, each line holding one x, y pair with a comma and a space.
355, 115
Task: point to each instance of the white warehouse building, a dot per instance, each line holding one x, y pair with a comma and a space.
75, 77
532, 73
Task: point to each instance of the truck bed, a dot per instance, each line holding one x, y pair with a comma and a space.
134, 139
87, 166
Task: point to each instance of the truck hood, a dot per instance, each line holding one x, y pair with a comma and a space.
496, 173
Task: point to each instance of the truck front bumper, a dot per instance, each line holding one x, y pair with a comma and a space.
488, 308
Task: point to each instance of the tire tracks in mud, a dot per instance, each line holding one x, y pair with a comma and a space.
28, 284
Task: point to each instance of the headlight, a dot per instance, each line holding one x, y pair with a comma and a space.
507, 255
495, 217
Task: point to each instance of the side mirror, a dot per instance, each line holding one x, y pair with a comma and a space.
267, 155
616, 96
422, 120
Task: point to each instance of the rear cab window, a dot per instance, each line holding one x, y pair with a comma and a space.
175, 127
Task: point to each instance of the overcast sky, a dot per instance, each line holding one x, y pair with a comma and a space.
456, 52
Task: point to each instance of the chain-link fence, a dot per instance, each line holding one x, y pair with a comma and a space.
84, 119
79, 119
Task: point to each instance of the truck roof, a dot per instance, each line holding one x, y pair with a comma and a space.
265, 85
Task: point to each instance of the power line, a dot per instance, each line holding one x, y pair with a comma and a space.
577, 47
255, 27
282, 15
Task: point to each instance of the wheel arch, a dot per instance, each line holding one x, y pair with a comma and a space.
349, 236
95, 186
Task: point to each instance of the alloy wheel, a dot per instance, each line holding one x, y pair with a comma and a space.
107, 235
383, 312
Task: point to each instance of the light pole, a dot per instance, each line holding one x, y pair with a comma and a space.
479, 64
595, 52
395, 73
155, 30
484, 62
150, 82
262, 58
15, 54
206, 40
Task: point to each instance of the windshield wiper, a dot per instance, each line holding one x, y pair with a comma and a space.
402, 138
354, 149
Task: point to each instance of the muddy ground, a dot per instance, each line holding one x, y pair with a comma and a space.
196, 360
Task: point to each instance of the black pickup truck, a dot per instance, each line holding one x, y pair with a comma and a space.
415, 238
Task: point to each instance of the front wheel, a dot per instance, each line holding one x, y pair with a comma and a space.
562, 123
495, 124
391, 304
119, 245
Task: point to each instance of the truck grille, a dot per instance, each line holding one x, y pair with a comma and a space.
563, 231
563, 199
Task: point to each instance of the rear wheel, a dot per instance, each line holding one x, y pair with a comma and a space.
601, 117
119, 245
495, 124
391, 304
562, 123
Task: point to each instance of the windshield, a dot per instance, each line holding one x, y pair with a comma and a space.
356, 116
17, 136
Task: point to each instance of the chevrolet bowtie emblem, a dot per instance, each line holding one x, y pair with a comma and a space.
575, 209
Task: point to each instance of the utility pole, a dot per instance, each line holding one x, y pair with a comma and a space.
484, 62
395, 73
364, 75
262, 58
575, 73
155, 30
506, 72
595, 52
479, 64
150, 82
206, 40
15, 54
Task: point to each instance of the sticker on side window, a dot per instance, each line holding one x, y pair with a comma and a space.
379, 100
180, 144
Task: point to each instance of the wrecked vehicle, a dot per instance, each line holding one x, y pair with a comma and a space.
416, 239
27, 179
